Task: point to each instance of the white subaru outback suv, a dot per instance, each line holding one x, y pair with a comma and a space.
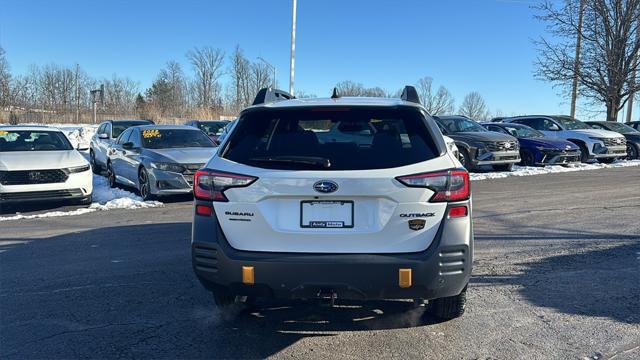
382, 211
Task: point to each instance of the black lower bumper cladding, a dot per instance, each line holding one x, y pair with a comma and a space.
437, 272
34, 196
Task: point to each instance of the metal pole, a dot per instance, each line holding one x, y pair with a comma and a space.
95, 112
632, 82
293, 49
576, 63
77, 95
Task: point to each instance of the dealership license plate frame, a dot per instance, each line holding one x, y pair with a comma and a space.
327, 223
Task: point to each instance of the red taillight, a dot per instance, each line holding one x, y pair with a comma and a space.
203, 210
211, 184
458, 211
449, 185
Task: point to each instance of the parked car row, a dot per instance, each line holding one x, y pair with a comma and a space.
39, 163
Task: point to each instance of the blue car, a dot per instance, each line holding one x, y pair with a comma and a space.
537, 149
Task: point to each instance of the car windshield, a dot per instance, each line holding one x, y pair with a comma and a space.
174, 138
619, 127
522, 131
33, 140
341, 138
460, 124
571, 123
120, 126
212, 128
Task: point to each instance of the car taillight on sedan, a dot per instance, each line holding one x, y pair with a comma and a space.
449, 185
211, 184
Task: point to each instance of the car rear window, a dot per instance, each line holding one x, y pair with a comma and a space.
120, 126
331, 139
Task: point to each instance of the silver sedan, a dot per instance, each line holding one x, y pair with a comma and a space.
158, 159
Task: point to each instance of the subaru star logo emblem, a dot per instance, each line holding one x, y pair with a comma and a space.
507, 145
325, 186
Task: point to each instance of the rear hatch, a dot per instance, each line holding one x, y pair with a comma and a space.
329, 180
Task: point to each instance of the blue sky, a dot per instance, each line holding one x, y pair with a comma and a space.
466, 45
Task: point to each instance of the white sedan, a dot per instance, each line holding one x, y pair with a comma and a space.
38, 163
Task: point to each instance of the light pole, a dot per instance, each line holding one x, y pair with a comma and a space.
275, 84
293, 49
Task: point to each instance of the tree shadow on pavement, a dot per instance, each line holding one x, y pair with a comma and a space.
598, 283
130, 291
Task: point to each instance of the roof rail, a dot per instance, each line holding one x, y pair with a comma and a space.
269, 95
410, 94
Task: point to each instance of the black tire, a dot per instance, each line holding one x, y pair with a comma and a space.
86, 200
632, 151
449, 307
111, 176
607, 160
584, 153
527, 158
503, 167
465, 159
223, 297
144, 187
97, 169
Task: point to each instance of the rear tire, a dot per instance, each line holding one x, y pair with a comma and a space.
111, 176
503, 167
465, 159
86, 200
144, 186
607, 160
97, 169
527, 158
632, 152
449, 307
584, 153
223, 297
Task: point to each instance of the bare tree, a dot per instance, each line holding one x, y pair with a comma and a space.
440, 103
120, 95
207, 64
474, 107
5, 80
609, 45
350, 88
167, 93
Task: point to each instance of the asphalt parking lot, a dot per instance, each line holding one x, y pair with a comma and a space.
556, 275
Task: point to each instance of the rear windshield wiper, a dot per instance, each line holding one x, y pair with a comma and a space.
306, 160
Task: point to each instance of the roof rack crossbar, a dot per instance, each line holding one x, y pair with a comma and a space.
410, 94
269, 95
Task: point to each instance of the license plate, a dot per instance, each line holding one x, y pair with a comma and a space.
326, 214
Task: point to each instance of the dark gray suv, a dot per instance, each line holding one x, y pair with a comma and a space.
479, 146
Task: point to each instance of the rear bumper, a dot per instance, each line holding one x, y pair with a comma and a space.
441, 270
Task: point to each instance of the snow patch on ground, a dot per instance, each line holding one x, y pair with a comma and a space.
529, 170
104, 198
78, 134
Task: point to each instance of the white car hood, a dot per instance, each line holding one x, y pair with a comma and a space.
597, 133
40, 160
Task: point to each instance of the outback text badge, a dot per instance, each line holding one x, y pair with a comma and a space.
417, 224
